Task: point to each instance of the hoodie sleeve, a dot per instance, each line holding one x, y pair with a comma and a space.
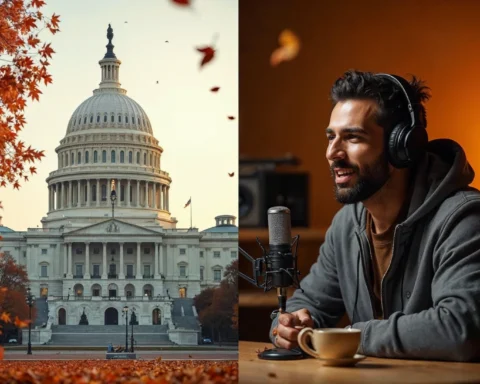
450, 330
321, 296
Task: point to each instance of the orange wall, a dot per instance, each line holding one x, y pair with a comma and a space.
286, 109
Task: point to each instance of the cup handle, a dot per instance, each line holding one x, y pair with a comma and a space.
303, 336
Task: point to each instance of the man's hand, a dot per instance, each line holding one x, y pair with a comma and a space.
289, 326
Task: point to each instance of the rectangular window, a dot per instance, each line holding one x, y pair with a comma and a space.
43, 271
129, 270
201, 273
217, 275
44, 251
78, 251
96, 251
96, 269
129, 251
182, 251
78, 270
146, 251
201, 253
233, 254
183, 270
146, 270
216, 254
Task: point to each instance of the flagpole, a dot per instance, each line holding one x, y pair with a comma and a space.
191, 227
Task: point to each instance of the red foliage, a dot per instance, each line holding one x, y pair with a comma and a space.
25, 60
208, 55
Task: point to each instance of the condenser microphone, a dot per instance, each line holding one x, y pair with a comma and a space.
280, 255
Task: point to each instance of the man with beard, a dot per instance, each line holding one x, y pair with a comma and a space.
402, 257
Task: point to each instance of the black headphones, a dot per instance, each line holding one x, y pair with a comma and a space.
406, 143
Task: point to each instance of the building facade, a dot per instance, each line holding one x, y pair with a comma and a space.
95, 256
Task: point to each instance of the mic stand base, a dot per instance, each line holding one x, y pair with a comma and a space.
281, 354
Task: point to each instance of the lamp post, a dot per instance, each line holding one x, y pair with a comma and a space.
131, 335
113, 197
125, 309
30, 301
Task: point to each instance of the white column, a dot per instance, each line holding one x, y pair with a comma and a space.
156, 275
69, 274
155, 195
88, 192
168, 198
70, 194
87, 261
79, 184
65, 259
121, 275
138, 193
104, 270
128, 193
161, 260
139, 266
146, 194
98, 192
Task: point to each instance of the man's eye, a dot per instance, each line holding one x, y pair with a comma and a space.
353, 137
330, 137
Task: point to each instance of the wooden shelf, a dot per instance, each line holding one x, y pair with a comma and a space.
306, 234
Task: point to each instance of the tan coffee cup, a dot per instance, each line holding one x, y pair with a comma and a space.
330, 343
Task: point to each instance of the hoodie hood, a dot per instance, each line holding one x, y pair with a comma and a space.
443, 171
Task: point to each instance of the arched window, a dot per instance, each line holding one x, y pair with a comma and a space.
91, 119
126, 119
85, 120
104, 192
112, 157
105, 118
94, 192
86, 157
95, 157
144, 159
138, 158
119, 118
72, 159
122, 157
104, 156
79, 158
130, 157
151, 160
85, 191
66, 159
98, 118
122, 193
112, 118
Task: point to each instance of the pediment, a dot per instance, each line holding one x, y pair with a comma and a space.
113, 227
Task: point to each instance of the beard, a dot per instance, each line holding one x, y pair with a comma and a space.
373, 177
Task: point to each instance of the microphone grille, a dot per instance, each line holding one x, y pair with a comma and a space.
279, 226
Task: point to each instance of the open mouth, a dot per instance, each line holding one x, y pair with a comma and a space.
343, 175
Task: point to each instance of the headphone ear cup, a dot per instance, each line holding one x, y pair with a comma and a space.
415, 144
396, 151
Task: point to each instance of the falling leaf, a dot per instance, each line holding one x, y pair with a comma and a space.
231, 174
288, 50
182, 3
5, 317
231, 117
214, 89
208, 55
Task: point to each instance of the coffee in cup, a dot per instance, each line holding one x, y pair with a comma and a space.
330, 343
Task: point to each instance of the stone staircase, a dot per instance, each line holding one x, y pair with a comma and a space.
41, 307
102, 335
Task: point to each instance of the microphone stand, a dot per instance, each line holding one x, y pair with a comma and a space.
284, 277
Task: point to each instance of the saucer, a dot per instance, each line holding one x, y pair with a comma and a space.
344, 362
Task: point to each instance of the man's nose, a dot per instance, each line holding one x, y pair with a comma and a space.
335, 150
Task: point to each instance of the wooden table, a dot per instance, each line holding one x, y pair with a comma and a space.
371, 370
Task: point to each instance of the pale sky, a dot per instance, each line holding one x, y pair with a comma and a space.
200, 143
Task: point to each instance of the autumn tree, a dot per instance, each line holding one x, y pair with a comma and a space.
13, 289
24, 65
216, 306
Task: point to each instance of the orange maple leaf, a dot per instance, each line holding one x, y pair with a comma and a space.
208, 55
21, 323
288, 50
5, 317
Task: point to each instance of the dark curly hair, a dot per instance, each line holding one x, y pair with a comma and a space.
392, 105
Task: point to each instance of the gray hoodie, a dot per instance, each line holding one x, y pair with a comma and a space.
431, 291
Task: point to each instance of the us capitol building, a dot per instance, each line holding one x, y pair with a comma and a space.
88, 265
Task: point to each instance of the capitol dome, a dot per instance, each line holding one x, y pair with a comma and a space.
109, 107
109, 146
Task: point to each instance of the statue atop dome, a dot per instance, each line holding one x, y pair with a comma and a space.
110, 46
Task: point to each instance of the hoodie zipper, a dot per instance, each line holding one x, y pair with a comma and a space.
386, 272
365, 272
